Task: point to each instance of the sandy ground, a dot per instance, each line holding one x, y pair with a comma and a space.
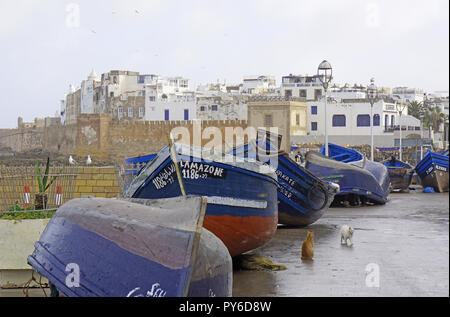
400, 249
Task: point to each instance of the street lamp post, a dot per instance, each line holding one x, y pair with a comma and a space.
400, 109
372, 96
422, 115
325, 73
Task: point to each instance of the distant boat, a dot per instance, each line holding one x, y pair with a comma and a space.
241, 195
400, 174
133, 166
433, 171
360, 180
302, 197
115, 248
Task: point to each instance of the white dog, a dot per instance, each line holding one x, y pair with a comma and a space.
347, 234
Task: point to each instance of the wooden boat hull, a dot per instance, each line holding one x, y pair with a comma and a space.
400, 174
302, 197
400, 178
113, 248
356, 181
433, 171
242, 202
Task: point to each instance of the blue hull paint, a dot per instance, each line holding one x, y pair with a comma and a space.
114, 274
236, 184
232, 189
96, 247
433, 171
353, 172
302, 197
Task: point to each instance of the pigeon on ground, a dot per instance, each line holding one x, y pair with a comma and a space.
88, 160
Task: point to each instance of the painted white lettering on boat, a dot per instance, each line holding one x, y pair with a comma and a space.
156, 291
284, 191
165, 177
285, 178
189, 170
195, 170
441, 168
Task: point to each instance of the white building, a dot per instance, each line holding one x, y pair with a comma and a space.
347, 92
408, 95
221, 106
87, 93
308, 87
169, 98
352, 118
258, 84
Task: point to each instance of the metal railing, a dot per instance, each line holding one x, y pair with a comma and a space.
19, 189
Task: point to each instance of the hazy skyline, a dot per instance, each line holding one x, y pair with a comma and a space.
49, 44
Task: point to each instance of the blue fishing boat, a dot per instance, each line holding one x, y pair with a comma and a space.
433, 171
98, 247
302, 197
241, 195
133, 166
400, 174
361, 181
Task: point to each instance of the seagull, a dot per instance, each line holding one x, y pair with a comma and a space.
88, 160
72, 161
136, 11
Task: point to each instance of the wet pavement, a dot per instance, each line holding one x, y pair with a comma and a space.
400, 249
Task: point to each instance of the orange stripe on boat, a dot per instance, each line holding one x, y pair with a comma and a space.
241, 234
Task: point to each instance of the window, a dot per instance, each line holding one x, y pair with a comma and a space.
386, 121
141, 112
186, 114
317, 94
130, 112
111, 94
392, 121
376, 120
302, 93
202, 108
297, 119
152, 98
339, 120
363, 120
166, 114
288, 93
214, 107
313, 126
268, 120
313, 109
120, 112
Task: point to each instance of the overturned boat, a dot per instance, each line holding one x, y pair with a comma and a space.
433, 171
241, 195
302, 197
400, 174
114, 248
361, 181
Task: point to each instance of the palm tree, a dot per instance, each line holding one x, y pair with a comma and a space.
434, 118
414, 109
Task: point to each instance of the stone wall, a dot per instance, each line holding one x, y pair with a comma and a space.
97, 181
100, 137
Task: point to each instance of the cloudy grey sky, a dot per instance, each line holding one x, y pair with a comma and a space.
48, 44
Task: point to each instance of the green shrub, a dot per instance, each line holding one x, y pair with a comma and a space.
20, 215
